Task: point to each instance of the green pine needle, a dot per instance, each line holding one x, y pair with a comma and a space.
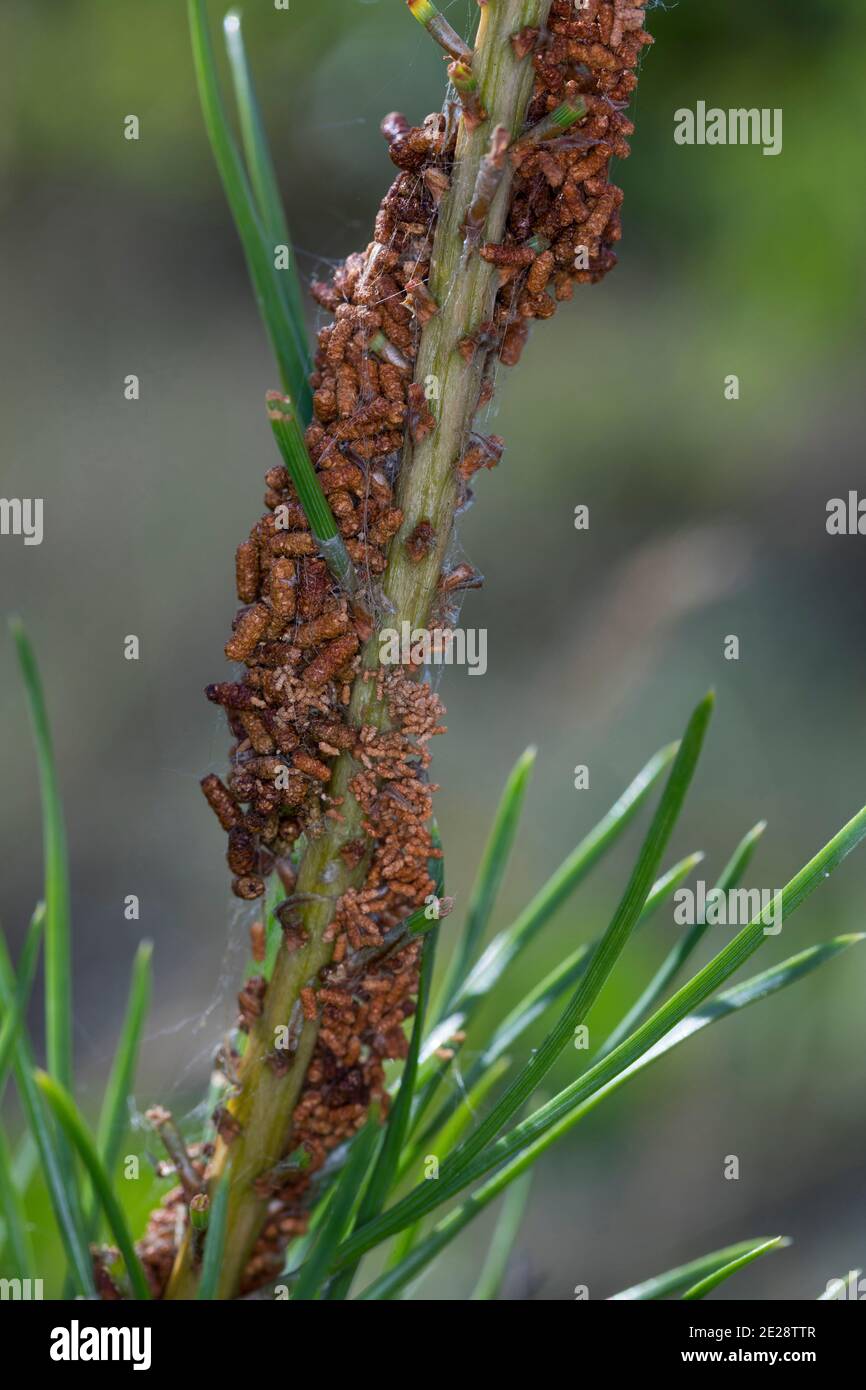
263, 177
610, 947
452, 1173
682, 949
58, 1171
290, 440
387, 1162
14, 1019
113, 1117
683, 1276
561, 884
58, 961
339, 1215
453, 1121
731, 1001
214, 1241
287, 337
494, 861
718, 1276
508, 944
673, 1012
541, 996
16, 1232
504, 1236
69, 1117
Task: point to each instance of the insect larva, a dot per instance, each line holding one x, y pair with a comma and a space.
242, 854
387, 525
257, 732
305, 762
330, 624
248, 887
251, 627
247, 571
312, 588
233, 695
283, 588
221, 801
330, 660
292, 543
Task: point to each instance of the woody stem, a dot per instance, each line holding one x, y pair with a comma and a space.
464, 287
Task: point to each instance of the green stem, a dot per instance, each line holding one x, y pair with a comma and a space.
465, 290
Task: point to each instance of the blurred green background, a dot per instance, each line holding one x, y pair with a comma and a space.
707, 519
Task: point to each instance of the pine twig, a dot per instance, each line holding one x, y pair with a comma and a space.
428, 490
